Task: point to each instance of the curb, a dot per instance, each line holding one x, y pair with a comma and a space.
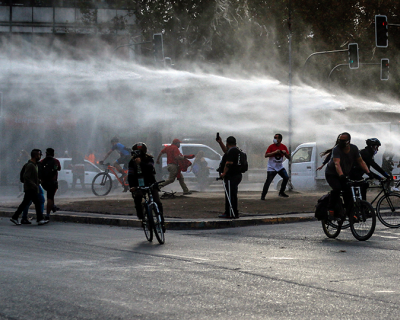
173, 224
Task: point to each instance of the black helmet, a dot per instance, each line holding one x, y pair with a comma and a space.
115, 139
373, 142
141, 146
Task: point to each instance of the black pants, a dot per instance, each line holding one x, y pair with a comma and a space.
231, 186
270, 176
28, 197
337, 186
138, 196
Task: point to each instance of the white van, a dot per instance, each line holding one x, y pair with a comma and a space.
212, 157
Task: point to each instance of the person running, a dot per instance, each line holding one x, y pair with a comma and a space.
31, 189
123, 160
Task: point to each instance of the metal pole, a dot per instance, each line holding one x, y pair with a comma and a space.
290, 107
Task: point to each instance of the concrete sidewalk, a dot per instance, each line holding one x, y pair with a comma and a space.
171, 223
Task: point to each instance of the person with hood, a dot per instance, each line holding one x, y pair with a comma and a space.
173, 158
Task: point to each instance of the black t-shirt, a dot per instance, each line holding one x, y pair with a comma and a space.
347, 160
148, 171
232, 155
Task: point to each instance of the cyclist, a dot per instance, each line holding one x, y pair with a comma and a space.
368, 154
344, 155
124, 158
141, 172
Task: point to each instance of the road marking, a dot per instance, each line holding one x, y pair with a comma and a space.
385, 291
281, 258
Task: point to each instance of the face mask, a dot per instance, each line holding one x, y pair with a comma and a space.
342, 144
275, 141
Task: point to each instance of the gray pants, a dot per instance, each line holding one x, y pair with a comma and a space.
173, 172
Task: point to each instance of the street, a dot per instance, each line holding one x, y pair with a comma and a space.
288, 271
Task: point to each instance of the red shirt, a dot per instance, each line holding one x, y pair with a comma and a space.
275, 162
172, 152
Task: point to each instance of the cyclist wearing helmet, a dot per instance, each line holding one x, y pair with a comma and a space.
124, 158
368, 154
141, 161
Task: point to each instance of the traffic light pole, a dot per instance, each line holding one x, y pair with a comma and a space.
317, 53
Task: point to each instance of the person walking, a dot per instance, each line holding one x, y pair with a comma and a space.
31, 189
49, 178
173, 157
230, 173
276, 153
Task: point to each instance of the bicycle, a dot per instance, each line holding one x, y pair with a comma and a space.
152, 220
361, 216
387, 206
102, 182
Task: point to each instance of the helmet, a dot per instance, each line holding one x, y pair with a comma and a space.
115, 139
373, 142
141, 146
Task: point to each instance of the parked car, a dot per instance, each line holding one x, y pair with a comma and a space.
65, 175
212, 157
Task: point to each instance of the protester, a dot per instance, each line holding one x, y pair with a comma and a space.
276, 153
201, 170
388, 164
141, 172
230, 173
123, 160
78, 169
173, 157
49, 178
31, 189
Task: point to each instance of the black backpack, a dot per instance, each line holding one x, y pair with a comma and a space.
242, 162
22, 172
47, 170
321, 208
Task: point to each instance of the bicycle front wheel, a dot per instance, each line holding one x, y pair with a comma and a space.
388, 210
101, 184
331, 228
363, 221
146, 224
157, 225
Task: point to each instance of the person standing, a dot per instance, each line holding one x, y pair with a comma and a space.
78, 169
49, 178
173, 157
276, 153
388, 164
231, 175
201, 170
31, 189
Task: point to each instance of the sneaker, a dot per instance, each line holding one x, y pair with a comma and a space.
283, 195
15, 221
188, 192
42, 222
25, 221
395, 189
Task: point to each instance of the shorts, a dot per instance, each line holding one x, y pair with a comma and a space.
51, 189
124, 160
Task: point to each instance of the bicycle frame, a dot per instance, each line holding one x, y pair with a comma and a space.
111, 169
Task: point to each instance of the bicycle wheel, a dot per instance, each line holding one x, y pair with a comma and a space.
388, 210
146, 224
363, 221
101, 184
157, 225
331, 228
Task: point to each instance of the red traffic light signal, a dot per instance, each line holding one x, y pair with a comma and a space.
381, 31
384, 69
353, 56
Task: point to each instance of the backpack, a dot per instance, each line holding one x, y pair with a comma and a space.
321, 208
21, 174
242, 162
195, 168
46, 170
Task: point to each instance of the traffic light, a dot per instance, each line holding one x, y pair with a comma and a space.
381, 31
353, 56
158, 47
384, 69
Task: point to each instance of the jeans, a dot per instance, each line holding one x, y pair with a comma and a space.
41, 199
270, 176
30, 196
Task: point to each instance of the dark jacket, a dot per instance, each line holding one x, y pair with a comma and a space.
31, 177
367, 155
148, 171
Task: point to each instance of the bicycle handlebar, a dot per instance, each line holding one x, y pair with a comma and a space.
155, 184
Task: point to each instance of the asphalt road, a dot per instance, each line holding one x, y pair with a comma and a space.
289, 271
